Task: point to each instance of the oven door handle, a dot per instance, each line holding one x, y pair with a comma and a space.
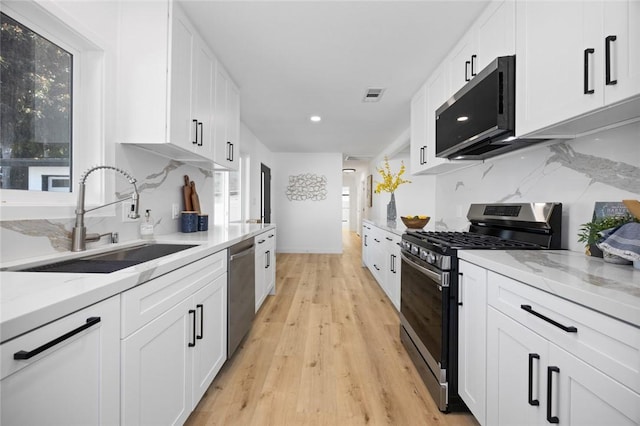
433, 275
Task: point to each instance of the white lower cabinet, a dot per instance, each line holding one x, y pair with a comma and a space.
170, 361
66, 372
265, 266
552, 361
472, 343
381, 254
532, 381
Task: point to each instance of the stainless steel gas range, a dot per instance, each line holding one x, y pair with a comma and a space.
429, 283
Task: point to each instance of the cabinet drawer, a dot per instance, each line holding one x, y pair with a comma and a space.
145, 302
608, 344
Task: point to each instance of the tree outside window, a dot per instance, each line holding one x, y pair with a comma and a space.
35, 110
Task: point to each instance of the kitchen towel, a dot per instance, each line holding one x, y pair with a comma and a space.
623, 241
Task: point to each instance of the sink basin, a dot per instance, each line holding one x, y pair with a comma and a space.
111, 261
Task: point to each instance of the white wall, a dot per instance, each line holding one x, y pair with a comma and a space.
308, 226
258, 153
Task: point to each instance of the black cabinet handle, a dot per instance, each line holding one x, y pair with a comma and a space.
550, 371
201, 307
271, 236
195, 131
393, 263
230, 151
30, 354
388, 239
473, 61
607, 63
376, 266
192, 343
365, 241
531, 400
376, 240
460, 275
568, 329
201, 126
587, 52
466, 70
267, 255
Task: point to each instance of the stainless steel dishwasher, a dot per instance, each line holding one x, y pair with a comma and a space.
241, 293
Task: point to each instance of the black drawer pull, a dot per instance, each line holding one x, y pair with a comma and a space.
550, 370
388, 239
26, 355
587, 52
607, 45
201, 307
192, 343
531, 400
568, 329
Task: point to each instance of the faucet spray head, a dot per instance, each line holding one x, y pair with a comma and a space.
133, 214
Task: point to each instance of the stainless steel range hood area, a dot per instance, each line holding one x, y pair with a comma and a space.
478, 122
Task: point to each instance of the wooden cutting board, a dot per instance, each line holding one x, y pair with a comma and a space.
195, 200
633, 206
186, 192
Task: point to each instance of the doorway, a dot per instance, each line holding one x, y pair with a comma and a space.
265, 193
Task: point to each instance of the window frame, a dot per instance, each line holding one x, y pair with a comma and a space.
88, 116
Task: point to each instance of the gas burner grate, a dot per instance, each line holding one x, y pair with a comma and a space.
470, 240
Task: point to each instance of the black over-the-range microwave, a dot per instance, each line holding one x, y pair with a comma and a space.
478, 122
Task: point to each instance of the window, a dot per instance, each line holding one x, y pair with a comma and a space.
227, 197
63, 115
35, 114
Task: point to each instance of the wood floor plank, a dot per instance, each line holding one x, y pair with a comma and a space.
324, 351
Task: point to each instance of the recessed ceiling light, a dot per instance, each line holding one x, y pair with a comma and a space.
463, 118
315, 118
348, 170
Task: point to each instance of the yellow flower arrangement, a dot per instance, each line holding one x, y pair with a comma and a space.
390, 182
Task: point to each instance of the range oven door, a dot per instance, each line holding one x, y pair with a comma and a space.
424, 313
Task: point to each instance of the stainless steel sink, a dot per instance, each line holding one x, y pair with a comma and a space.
111, 261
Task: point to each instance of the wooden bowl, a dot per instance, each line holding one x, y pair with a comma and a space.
413, 223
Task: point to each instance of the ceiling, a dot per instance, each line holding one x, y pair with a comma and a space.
294, 59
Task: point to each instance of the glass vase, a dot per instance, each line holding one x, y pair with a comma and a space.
391, 209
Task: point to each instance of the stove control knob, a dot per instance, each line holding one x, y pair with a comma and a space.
431, 258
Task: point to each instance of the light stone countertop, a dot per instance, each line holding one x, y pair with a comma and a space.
398, 230
31, 299
610, 289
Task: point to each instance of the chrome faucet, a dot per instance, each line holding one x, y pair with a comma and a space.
79, 236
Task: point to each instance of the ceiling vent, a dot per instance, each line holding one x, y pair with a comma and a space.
363, 157
373, 94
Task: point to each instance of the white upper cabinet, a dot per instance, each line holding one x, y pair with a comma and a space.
492, 35
167, 85
227, 121
575, 58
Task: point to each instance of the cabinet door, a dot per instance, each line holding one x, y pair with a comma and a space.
377, 258
437, 94
622, 21
495, 32
551, 43
582, 395
392, 281
210, 352
76, 381
459, 63
516, 393
270, 269
418, 131
156, 369
203, 101
233, 125
220, 146
181, 128
261, 266
472, 337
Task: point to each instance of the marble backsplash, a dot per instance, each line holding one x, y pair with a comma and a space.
603, 166
159, 182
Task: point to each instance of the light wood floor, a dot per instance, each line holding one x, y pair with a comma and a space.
324, 351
